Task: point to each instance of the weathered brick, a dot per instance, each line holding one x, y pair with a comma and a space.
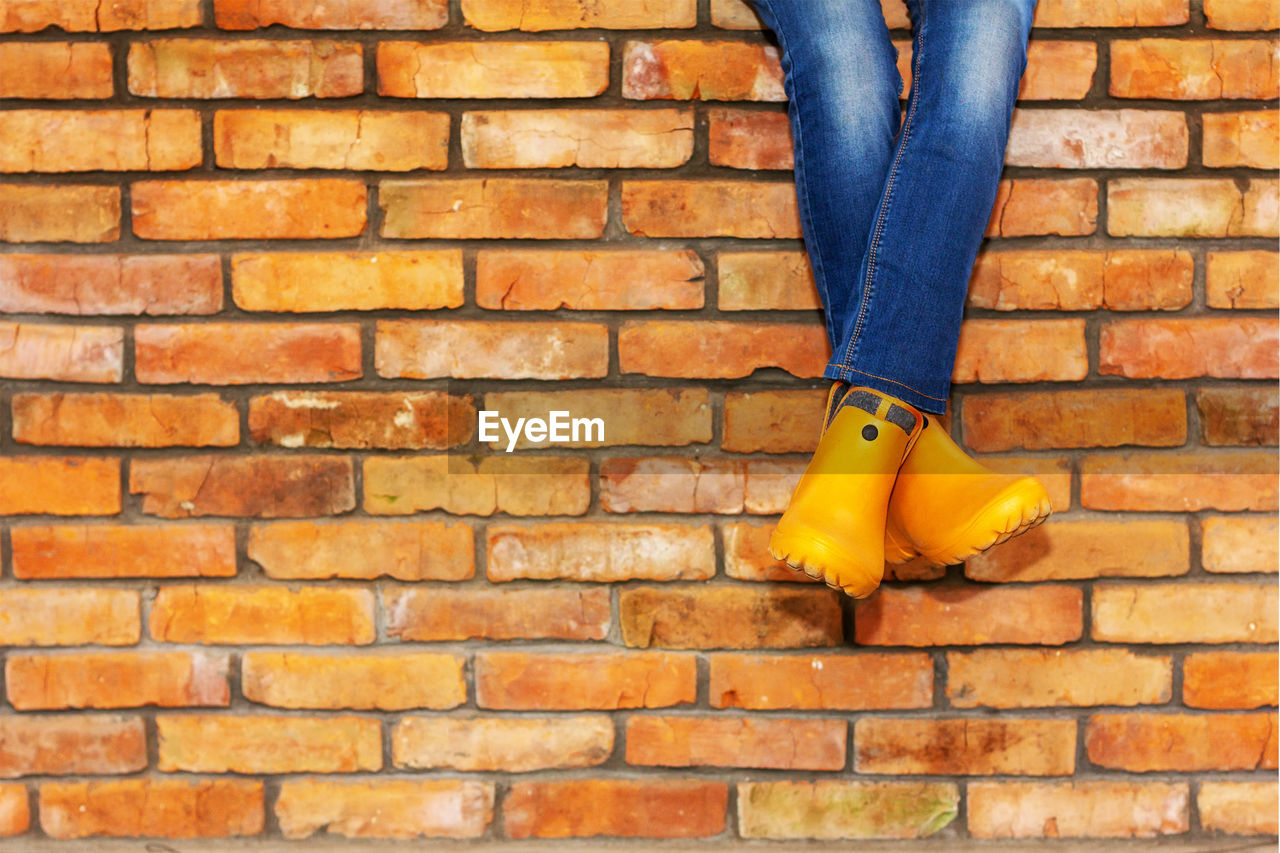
591, 139
516, 485
1141, 743
123, 550
657, 808
1058, 70
840, 808
1241, 15
385, 808
404, 420
1021, 351
1053, 472
589, 280
1185, 613
774, 281
350, 15
245, 68
1184, 69
92, 16
100, 140
15, 812
658, 417
246, 353
739, 741
835, 682
496, 15
964, 615
1098, 139
1249, 279
729, 617
116, 680
373, 140
415, 614
672, 484
710, 208
1104, 809
62, 353
50, 616
773, 421
268, 743
1129, 13
494, 208
1224, 680
709, 70
1232, 543
157, 808
32, 213
1242, 139
1190, 207
1036, 678
1077, 280
1178, 348
1102, 418
337, 281
1239, 416
125, 420
747, 557
1182, 482
49, 745
59, 485
365, 549
600, 552
516, 680
968, 746
390, 681
467, 349
720, 349
262, 486
749, 139
1238, 808
493, 69
1035, 206
54, 69
111, 284
1066, 549
259, 614
313, 208
509, 744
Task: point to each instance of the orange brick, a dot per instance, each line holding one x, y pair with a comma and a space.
1021, 351
749, 139
672, 484
1239, 416
385, 808
268, 743
497, 208
778, 743
1035, 206
1067, 549
836, 682
1037, 678
116, 680
965, 615
314, 208
428, 615
608, 280
1241, 15
59, 485
659, 417
510, 744
839, 808
1106, 809
62, 353
111, 284
601, 552
591, 139
259, 614
1098, 139
493, 69
1058, 70
373, 140
1121, 280
59, 214
1140, 743
775, 281
245, 68
720, 350
94, 140
495, 15
467, 349
157, 808
1103, 418
413, 419
342, 281
15, 812
357, 15
1190, 207
1240, 544
391, 681
1131, 13
738, 15
676, 208
747, 557
1193, 69
1238, 808
247, 353
34, 616
516, 485
726, 616
125, 420
769, 484
63, 744
1224, 680
262, 486
1053, 472
1242, 139
1185, 613
516, 680
358, 548
709, 70
53, 69
1182, 482
91, 16
1226, 347
1242, 279
657, 808
773, 421
969, 746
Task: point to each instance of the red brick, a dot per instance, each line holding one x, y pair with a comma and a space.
1224, 347
657, 808
32, 213
1035, 206
495, 15
511, 744
100, 140
156, 808
1240, 544
1242, 279
1193, 69
467, 349
672, 484
1058, 70
835, 682
1053, 472
774, 742
61, 744
494, 208
245, 68
111, 284
600, 551
749, 139
839, 808
365, 549
772, 280
385, 808
720, 350
1073, 280
313, 15
1242, 139
1130, 13
421, 615
59, 485
514, 680
710, 617
608, 280
591, 139
1140, 743
1104, 809
62, 616
119, 550
116, 680
709, 70
125, 420
1182, 482
61, 353
374, 140
1224, 680
1241, 15
1238, 808
969, 746
339, 281
247, 353
260, 614
493, 69
15, 813
1103, 418
410, 419
262, 486
1037, 678
268, 743
1021, 351
1098, 139
773, 421
1191, 207
1185, 613
54, 69
669, 416
1066, 549
516, 485
391, 681
1239, 416
313, 208
708, 208
965, 615
92, 16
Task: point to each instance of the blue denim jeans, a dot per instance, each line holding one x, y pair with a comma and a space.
893, 217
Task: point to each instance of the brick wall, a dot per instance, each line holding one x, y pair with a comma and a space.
262, 264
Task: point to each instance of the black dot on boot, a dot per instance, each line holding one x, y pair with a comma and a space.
870, 433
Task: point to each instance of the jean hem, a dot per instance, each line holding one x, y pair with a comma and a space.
933, 405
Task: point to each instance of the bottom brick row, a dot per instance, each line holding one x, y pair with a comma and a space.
655, 808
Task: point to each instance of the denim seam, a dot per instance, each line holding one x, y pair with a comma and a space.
896, 382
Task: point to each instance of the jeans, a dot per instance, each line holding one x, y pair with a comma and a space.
893, 218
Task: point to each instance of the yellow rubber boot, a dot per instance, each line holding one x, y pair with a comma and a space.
834, 526
947, 506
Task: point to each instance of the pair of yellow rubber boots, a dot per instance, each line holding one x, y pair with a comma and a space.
887, 484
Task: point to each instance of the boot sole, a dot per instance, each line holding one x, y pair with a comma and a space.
1016, 511
812, 553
